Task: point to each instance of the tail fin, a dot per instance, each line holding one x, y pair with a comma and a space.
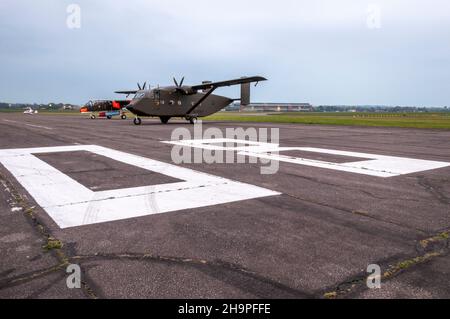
245, 94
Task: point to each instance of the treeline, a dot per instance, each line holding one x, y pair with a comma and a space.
35, 106
383, 109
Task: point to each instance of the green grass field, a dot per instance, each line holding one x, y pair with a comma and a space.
410, 120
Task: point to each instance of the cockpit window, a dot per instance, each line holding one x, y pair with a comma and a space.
139, 95
156, 95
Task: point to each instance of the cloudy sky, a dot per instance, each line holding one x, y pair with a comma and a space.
390, 52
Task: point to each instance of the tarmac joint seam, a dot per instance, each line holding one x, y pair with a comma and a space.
52, 244
433, 190
354, 212
433, 247
214, 265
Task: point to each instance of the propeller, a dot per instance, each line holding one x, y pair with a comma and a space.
143, 87
176, 83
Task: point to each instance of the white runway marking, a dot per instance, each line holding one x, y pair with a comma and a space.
375, 165
30, 125
39, 126
71, 204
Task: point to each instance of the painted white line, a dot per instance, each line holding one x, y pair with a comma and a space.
31, 125
71, 204
375, 165
39, 126
211, 144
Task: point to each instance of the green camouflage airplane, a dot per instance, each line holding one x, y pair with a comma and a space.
188, 102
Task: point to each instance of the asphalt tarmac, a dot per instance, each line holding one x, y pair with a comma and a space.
314, 237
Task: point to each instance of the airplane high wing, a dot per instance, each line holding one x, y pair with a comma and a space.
140, 88
211, 87
126, 92
205, 86
243, 80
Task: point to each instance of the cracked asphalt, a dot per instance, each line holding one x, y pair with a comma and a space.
313, 241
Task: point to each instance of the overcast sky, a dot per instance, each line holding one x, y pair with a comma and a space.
389, 52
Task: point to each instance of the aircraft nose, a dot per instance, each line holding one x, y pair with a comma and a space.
132, 106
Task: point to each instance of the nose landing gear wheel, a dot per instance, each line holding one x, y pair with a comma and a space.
137, 121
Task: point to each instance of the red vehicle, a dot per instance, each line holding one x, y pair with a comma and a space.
105, 109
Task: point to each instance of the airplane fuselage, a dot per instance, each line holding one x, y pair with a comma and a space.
168, 102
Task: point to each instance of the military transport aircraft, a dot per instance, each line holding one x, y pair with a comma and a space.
188, 102
105, 109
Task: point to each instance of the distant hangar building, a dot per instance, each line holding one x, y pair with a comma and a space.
272, 107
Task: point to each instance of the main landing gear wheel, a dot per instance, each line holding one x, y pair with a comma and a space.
164, 119
137, 121
123, 117
192, 119
93, 117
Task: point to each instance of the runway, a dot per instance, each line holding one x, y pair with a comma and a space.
141, 226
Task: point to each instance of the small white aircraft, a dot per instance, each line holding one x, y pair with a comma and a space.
30, 111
